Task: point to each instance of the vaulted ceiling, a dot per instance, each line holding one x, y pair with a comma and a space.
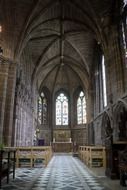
57, 37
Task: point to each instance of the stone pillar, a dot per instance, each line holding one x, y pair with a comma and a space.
4, 66
9, 104
24, 117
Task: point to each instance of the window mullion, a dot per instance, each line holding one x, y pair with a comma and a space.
82, 108
61, 113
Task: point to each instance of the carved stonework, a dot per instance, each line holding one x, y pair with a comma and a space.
120, 133
106, 130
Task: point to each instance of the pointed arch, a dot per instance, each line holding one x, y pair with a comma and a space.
81, 108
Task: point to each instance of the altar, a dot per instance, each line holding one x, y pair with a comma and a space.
62, 141
62, 147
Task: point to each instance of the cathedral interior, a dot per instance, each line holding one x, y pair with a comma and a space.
63, 77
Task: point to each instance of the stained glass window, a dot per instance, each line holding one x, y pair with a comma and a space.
104, 82
42, 109
124, 29
61, 110
81, 108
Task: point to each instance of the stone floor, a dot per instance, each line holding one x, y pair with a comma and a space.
64, 172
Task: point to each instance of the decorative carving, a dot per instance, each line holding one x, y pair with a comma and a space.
120, 120
106, 130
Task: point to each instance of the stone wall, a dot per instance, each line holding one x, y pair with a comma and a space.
80, 136
23, 117
7, 91
45, 134
97, 130
4, 67
9, 107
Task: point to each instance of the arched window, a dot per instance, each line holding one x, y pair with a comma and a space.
124, 24
124, 29
61, 109
42, 109
100, 90
81, 108
104, 83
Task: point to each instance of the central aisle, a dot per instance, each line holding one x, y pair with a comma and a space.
65, 172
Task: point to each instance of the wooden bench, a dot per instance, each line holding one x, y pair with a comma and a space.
24, 157
42, 153
7, 163
29, 155
93, 156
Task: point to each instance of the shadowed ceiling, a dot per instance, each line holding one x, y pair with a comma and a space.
57, 37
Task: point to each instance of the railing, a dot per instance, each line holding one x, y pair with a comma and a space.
93, 156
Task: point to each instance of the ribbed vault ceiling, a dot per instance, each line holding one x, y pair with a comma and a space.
58, 36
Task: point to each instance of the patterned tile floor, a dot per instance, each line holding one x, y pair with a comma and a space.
64, 172
24, 179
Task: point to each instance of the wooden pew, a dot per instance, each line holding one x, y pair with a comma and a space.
24, 157
42, 153
93, 156
32, 154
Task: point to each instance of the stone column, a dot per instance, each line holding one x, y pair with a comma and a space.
4, 66
9, 104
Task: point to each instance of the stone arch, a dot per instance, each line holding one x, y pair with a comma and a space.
106, 130
46, 91
77, 91
61, 90
120, 121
